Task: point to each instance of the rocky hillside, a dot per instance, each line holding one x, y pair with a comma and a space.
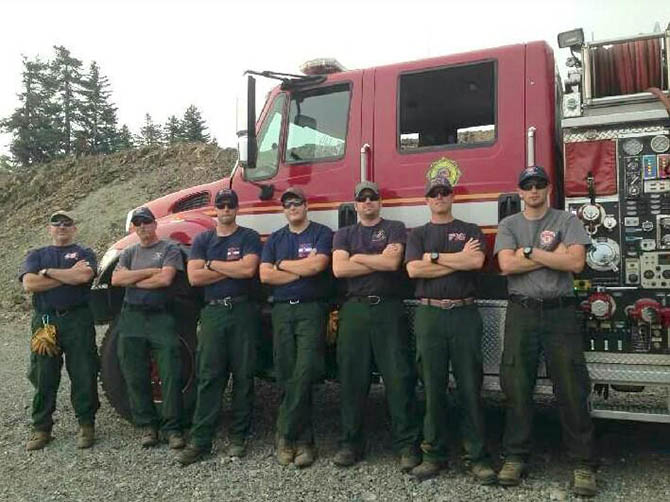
99, 190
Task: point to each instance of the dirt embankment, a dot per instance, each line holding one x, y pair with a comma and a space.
99, 190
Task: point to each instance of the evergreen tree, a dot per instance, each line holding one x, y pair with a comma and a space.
124, 139
193, 125
66, 75
173, 130
150, 133
97, 117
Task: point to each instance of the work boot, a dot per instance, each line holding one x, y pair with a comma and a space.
483, 473
428, 469
86, 436
38, 440
346, 456
409, 458
176, 440
285, 451
190, 454
511, 472
584, 482
304, 455
237, 449
149, 437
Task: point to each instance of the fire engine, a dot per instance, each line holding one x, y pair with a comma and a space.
602, 133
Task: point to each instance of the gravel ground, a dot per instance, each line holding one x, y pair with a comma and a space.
635, 456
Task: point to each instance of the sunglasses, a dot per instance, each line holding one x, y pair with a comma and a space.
142, 221
288, 204
529, 185
62, 223
227, 205
367, 197
444, 192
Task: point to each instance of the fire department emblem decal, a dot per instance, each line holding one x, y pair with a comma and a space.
547, 238
379, 235
71, 256
233, 254
458, 236
444, 167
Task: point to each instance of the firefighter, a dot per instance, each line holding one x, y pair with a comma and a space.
225, 261
539, 250
372, 328
294, 262
147, 329
59, 277
444, 256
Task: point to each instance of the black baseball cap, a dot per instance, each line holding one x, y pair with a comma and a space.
142, 213
226, 196
295, 192
533, 172
438, 181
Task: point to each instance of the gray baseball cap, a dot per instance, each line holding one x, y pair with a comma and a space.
295, 192
366, 185
61, 215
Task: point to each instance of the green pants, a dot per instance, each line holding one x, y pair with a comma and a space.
442, 336
226, 345
298, 346
76, 337
555, 331
378, 333
143, 336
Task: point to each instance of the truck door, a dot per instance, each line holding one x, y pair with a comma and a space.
467, 108
308, 137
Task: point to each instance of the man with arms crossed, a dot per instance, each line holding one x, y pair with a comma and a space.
294, 262
372, 328
225, 261
444, 255
539, 249
147, 328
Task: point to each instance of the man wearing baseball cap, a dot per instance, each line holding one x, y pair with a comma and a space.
147, 326
444, 256
539, 250
224, 261
372, 328
59, 276
294, 262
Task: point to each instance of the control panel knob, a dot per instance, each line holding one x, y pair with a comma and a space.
647, 226
633, 278
600, 308
666, 274
609, 222
604, 255
590, 213
648, 274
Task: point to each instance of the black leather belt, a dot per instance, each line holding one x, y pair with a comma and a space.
64, 312
148, 309
229, 301
297, 301
447, 303
539, 303
369, 300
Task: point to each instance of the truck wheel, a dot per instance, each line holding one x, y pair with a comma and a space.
113, 383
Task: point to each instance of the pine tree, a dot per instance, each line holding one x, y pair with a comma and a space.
173, 130
97, 117
193, 125
150, 133
65, 72
124, 139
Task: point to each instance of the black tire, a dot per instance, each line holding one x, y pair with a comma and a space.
113, 383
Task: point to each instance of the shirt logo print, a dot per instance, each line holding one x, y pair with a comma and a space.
71, 256
456, 236
304, 249
233, 254
378, 235
547, 237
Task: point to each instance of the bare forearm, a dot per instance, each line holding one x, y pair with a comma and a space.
518, 265
71, 276
154, 282
276, 277
565, 262
126, 277
378, 262
347, 268
462, 261
420, 269
305, 267
234, 269
34, 283
203, 277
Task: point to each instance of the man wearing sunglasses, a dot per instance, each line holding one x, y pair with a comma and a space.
539, 250
147, 329
444, 256
224, 261
294, 262
59, 276
372, 328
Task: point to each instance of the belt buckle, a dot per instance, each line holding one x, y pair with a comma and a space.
228, 302
293, 302
447, 304
374, 300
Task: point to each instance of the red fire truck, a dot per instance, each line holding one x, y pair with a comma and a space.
479, 117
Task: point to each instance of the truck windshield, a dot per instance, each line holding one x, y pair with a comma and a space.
268, 142
318, 124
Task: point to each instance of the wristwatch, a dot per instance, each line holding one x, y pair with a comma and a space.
434, 256
208, 264
527, 251
277, 265
44, 272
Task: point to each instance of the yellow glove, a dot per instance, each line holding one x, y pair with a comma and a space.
331, 330
43, 341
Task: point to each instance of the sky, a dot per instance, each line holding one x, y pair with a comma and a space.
163, 55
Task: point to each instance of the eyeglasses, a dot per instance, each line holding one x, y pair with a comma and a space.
529, 185
288, 204
141, 221
444, 192
368, 196
227, 205
62, 223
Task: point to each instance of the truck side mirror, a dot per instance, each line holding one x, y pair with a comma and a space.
246, 135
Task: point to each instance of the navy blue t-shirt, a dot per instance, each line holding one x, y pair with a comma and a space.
286, 245
360, 239
65, 296
234, 247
